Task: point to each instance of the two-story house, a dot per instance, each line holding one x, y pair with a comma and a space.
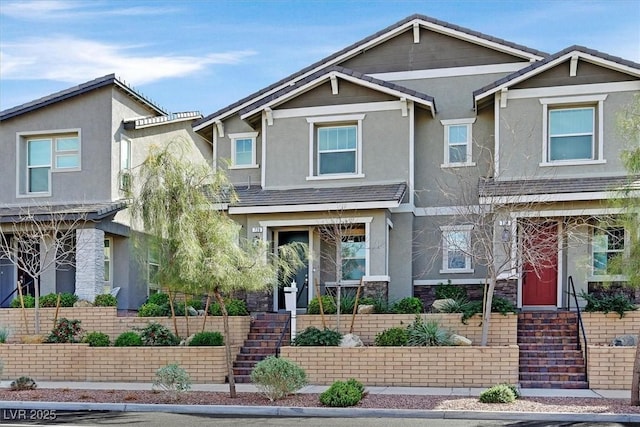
72, 153
382, 136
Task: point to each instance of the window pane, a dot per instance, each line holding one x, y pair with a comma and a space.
458, 154
125, 154
353, 269
600, 263
340, 162
39, 152
457, 134
67, 161
38, 180
567, 122
571, 148
244, 155
68, 144
457, 260
337, 138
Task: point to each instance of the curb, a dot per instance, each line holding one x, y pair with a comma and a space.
285, 411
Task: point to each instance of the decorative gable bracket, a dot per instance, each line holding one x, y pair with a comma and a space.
573, 68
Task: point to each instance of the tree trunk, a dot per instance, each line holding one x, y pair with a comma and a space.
173, 312
227, 344
36, 288
486, 315
635, 382
24, 311
206, 312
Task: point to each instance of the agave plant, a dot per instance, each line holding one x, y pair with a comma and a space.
425, 334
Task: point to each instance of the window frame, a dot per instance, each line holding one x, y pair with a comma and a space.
606, 230
596, 102
445, 231
152, 262
234, 137
316, 123
124, 180
108, 261
359, 234
448, 125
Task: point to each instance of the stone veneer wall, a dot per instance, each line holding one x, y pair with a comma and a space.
505, 289
403, 366
89, 263
502, 330
79, 362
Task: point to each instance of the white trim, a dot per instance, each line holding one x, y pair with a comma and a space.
335, 176
364, 107
312, 221
314, 166
416, 33
412, 150
376, 278
445, 229
574, 90
560, 257
459, 282
312, 207
233, 137
544, 198
263, 152
557, 163
451, 72
110, 281
367, 248
447, 124
496, 134
566, 212
447, 210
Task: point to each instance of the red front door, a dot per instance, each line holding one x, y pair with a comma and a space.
540, 281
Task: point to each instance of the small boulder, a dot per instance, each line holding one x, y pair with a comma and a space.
186, 341
82, 303
366, 309
201, 313
460, 340
625, 341
440, 303
192, 311
351, 340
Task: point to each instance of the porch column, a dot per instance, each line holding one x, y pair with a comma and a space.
89, 263
376, 287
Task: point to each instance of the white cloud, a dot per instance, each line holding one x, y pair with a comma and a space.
57, 10
68, 59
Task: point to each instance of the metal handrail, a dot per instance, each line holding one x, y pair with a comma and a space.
580, 322
284, 330
25, 286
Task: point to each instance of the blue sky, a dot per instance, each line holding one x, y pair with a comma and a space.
203, 55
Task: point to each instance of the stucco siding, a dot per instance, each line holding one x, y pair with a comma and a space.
586, 73
348, 93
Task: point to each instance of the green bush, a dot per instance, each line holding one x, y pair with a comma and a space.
392, 337
616, 302
313, 336
158, 298
23, 383
501, 393
29, 302
425, 334
65, 331
150, 309
235, 307
449, 291
173, 380
277, 377
207, 338
196, 304
105, 300
155, 334
380, 304
97, 339
328, 305
128, 339
502, 305
409, 305
343, 393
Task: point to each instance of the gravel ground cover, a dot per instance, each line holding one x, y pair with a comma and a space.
452, 403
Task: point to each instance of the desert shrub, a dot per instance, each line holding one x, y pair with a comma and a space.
65, 331
155, 334
502, 305
150, 309
105, 300
347, 302
207, 338
158, 298
313, 336
235, 307
5, 332
616, 302
196, 303
328, 305
277, 377
409, 305
421, 334
380, 304
173, 380
392, 337
449, 291
128, 339
23, 383
343, 393
29, 302
501, 393
97, 339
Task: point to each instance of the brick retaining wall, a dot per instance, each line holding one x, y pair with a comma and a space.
603, 328
610, 368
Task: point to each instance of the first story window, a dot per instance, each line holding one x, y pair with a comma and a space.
39, 155
458, 142
353, 252
153, 267
243, 150
456, 249
108, 255
608, 245
335, 146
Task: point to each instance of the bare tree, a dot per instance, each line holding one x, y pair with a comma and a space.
37, 239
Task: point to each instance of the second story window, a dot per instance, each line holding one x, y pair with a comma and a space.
42, 154
243, 150
458, 142
125, 164
335, 147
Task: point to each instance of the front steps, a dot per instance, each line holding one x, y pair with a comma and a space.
550, 355
264, 333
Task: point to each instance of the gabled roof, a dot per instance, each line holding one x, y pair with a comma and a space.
325, 74
255, 199
581, 52
69, 211
146, 122
368, 42
83, 88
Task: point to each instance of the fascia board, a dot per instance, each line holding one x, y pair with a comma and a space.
312, 207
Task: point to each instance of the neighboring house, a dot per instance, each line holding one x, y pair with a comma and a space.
72, 153
371, 136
